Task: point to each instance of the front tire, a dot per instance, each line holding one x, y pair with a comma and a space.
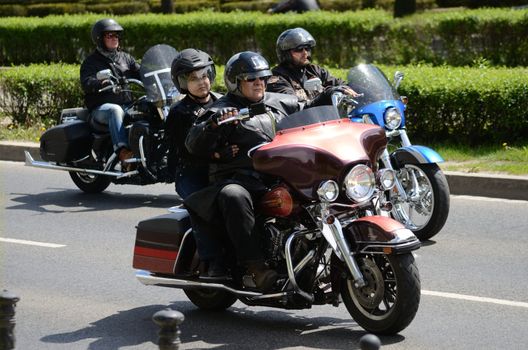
427, 207
210, 299
90, 183
389, 301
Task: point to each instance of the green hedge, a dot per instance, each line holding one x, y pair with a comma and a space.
343, 39
464, 105
36, 94
50, 7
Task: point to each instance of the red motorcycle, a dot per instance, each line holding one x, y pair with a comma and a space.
318, 225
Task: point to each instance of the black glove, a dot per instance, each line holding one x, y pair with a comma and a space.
325, 98
217, 116
226, 153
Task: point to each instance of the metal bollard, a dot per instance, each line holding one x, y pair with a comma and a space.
169, 335
369, 342
7, 320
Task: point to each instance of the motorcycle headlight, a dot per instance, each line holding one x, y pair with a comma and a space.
392, 118
360, 183
386, 178
328, 191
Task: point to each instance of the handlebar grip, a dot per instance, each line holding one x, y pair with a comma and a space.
242, 114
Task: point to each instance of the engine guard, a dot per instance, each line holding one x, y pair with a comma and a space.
414, 154
380, 235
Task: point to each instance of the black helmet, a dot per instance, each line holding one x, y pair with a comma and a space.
244, 65
290, 39
189, 60
102, 26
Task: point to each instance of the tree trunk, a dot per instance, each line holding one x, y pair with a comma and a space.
167, 6
404, 7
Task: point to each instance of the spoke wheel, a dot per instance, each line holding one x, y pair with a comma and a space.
90, 183
389, 301
427, 206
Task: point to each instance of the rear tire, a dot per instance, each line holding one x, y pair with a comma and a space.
210, 299
90, 183
389, 301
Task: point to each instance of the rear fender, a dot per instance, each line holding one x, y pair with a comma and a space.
414, 154
380, 235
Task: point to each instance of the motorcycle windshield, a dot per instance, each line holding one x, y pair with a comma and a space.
308, 116
155, 74
368, 80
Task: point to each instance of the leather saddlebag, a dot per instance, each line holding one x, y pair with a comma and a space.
66, 142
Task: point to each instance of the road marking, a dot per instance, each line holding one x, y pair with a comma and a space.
40, 244
489, 199
475, 298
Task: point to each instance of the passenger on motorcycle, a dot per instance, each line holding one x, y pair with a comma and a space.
295, 74
106, 108
192, 72
227, 206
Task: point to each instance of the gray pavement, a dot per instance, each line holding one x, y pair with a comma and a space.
471, 184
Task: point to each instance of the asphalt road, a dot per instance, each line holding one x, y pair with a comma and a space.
82, 293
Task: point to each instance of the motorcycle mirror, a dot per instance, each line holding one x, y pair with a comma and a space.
313, 84
398, 77
104, 74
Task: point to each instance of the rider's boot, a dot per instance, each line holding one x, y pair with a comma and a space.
125, 154
216, 270
259, 276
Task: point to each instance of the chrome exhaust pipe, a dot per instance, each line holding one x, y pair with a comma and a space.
149, 279
38, 164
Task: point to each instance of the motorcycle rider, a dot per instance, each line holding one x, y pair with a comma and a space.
192, 72
226, 207
295, 6
106, 107
294, 48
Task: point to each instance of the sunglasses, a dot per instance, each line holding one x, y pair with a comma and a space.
111, 35
253, 79
302, 48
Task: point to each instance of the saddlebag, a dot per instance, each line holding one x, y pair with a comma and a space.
66, 142
158, 240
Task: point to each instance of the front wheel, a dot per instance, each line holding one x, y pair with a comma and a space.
90, 183
209, 299
389, 301
427, 206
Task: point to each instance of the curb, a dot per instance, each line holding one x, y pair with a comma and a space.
470, 184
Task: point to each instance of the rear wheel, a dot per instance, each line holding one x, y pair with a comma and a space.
210, 299
90, 183
427, 206
389, 301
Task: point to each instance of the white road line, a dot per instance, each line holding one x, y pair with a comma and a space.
475, 298
40, 244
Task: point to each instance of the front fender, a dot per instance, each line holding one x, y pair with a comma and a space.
380, 235
414, 154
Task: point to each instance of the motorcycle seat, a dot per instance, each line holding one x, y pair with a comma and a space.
97, 127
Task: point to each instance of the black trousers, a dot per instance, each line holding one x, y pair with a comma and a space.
234, 219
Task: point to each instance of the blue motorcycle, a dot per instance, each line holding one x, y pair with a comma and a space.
420, 199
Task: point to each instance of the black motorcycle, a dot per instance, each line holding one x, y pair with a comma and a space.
85, 149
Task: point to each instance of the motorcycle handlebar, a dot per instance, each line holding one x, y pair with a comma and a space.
242, 115
118, 87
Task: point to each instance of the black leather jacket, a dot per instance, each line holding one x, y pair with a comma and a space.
181, 118
122, 65
202, 140
287, 79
